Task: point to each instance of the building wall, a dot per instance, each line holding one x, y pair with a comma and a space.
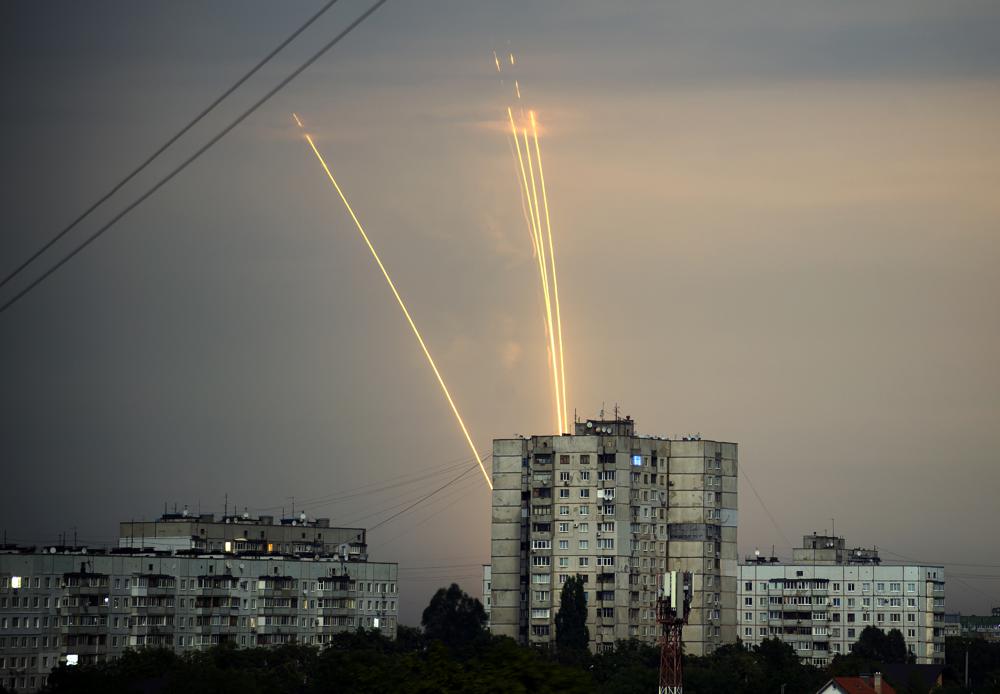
55, 606
619, 510
822, 609
206, 533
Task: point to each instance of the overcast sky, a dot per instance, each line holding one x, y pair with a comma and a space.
776, 223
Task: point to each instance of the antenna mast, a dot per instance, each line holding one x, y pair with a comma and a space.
672, 609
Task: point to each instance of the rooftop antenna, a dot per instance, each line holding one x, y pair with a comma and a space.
225, 506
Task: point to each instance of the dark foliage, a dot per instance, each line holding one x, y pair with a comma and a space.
572, 635
454, 618
984, 665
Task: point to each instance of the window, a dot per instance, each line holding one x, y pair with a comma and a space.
748, 586
605, 561
584, 510
563, 544
605, 543
564, 527
911, 587
563, 562
748, 601
541, 561
894, 587
584, 459
584, 527
584, 493
564, 460
541, 544
850, 587
585, 475
584, 561
564, 510
584, 544
880, 587
539, 613
564, 476
563, 493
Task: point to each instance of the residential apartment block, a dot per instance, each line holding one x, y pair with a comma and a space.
824, 598
78, 605
619, 509
175, 532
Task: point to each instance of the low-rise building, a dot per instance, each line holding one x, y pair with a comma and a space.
77, 605
822, 600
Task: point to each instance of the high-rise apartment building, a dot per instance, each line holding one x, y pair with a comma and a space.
80, 605
822, 600
619, 509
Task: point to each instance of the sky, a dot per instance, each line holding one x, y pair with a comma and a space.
775, 224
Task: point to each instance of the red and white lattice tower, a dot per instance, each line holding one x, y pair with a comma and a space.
672, 608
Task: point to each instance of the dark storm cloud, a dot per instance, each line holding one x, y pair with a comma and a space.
777, 225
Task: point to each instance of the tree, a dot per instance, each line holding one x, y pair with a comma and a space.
875, 644
572, 635
454, 618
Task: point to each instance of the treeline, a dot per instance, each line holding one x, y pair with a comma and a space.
455, 653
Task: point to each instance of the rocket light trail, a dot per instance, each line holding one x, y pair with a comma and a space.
532, 206
399, 299
545, 286
552, 261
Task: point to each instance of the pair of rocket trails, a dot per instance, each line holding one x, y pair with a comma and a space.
530, 184
399, 299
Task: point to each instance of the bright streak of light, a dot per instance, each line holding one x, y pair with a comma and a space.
523, 185
296, 117
552, 262
399, 299
511, 58
535, 236
545, 287
496, 59
517, 88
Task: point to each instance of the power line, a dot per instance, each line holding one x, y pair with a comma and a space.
413, 526
764, 506
425, 498
236, 85
204, 148
372, 488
